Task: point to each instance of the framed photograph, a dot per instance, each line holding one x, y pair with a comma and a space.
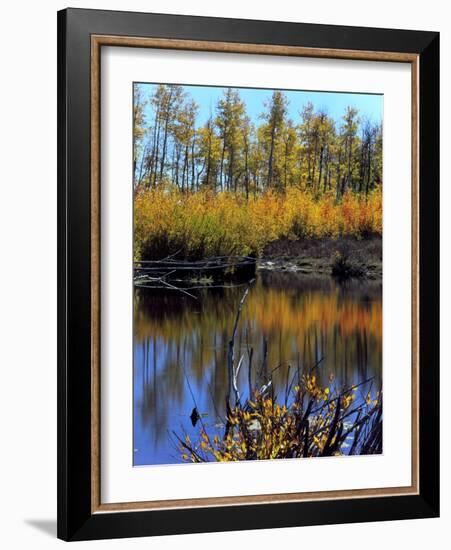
248, 274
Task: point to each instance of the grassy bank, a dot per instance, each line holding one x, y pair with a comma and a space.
342, 256
206, 224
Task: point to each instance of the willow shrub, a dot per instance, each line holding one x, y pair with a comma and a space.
204, 224
315, 422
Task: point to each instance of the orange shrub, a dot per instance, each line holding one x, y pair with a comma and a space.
206, 224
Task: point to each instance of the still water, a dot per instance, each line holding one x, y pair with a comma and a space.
288, 320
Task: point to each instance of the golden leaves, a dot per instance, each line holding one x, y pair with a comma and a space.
263, 429
205, 223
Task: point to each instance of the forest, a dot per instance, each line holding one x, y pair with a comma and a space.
230, 186
230, 153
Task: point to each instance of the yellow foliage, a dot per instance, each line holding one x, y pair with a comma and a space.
205, 223
269, 430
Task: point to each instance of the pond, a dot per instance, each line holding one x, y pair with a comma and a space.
289, 321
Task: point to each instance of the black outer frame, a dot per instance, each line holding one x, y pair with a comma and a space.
75, 520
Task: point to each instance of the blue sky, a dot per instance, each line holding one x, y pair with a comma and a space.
334, 103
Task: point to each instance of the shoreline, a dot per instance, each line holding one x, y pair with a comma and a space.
343, 257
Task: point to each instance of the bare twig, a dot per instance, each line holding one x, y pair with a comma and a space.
235, 378
231, 346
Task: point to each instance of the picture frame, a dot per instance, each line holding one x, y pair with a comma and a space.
81, 36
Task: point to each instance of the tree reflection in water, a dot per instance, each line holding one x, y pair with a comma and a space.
288, 319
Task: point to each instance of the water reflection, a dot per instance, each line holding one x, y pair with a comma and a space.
288, 319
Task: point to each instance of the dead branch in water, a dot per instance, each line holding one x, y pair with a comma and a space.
227, 260
168, 272
164, 284
231, 347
